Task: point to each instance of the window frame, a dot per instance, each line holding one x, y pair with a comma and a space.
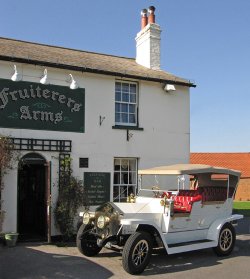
128, 103
124, 189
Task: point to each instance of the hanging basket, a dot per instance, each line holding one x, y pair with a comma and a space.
11, 239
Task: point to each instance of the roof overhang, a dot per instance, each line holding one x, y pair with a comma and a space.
92, 70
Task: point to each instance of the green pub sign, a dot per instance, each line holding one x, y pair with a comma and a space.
97, 187
28, 105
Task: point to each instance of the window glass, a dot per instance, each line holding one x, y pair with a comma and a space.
132, 88
117, 87
125, 87
117, 117
132, 118
132, 98
125, 178
131, 108
124, 117
118, 96
125, 97
117, 107
124, 107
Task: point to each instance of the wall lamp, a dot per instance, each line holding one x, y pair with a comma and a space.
73, 84
169, 87
44, 78
16, 76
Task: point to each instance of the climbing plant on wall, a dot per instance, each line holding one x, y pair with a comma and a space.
70, 197
7, 158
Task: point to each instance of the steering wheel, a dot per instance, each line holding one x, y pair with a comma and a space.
156, 191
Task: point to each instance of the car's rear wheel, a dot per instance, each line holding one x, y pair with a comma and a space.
226, 240
86, 242
137, 252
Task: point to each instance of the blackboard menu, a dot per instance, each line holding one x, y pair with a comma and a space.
97, 187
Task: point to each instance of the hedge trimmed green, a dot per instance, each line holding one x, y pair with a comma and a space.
241, 207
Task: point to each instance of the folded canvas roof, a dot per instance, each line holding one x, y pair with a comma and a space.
181, 169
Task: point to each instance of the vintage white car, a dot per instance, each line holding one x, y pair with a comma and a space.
189, 208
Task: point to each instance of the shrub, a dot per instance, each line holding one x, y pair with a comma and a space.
7, 157
70, 197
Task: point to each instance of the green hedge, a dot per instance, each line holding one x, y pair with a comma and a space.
240, 207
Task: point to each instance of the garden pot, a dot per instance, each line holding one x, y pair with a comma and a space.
11, 239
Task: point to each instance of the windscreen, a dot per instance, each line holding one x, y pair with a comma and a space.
156, 185
151, 184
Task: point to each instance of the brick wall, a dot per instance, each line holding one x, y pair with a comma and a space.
243, 191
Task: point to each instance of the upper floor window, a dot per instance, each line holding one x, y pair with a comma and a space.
126, 103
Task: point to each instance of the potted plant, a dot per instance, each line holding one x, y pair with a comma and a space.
11, 239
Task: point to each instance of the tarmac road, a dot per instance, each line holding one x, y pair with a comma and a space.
41, 261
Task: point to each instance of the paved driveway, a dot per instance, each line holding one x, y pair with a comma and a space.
49, 261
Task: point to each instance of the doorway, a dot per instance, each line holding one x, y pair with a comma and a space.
32, 198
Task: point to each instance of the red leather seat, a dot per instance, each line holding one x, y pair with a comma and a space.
184, 200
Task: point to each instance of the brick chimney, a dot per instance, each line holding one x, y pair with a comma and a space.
148, 40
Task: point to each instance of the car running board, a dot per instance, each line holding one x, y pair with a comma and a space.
190, 246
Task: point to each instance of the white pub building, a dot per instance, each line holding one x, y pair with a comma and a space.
111, 115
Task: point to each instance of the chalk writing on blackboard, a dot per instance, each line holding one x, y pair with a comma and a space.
97, 187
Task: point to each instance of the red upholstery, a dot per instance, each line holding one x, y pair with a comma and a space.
184, 200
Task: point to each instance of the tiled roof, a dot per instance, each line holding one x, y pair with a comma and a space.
59, 57
236, 161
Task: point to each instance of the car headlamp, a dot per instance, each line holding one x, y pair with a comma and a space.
102, 221
86, 218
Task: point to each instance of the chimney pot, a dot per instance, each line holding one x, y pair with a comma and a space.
148, 41
151, 8
144, 18
151, 17
144, 12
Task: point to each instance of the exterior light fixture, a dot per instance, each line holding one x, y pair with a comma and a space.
16, 76
169, 87
44, 79
73, 83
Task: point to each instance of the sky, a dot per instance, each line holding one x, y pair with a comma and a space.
207, 42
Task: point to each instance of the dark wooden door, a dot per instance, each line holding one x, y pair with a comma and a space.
32, 201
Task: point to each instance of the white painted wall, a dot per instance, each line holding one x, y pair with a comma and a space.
163, 116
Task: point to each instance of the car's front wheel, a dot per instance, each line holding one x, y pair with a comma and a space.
137, 252
226, 240
87, 242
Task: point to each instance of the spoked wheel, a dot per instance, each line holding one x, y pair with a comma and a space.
137, 252
226, 240
86, 242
